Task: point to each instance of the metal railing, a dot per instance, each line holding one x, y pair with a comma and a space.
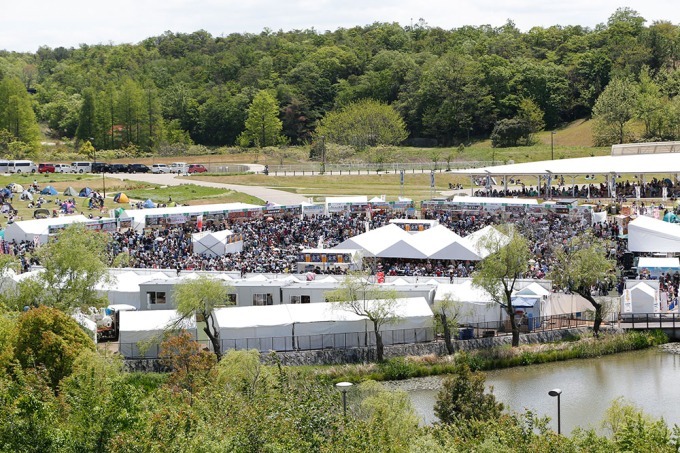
346, 340
472, 331
373, 168
650, 321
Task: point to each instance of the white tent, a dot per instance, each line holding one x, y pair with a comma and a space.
641, 298
28, 230
657, 266
141, 332
441, 243
650, 235
476, 239
476, 305
215, 243
318, 326
375, 241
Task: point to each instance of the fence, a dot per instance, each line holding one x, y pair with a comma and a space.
373, 168
345, 340
526, 325
650, 320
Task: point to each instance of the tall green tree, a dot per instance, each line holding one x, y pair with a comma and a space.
497, 274
16, 112
263, 126
580, 266
615, 108
358, 295
87, 118
363, 123
200, 297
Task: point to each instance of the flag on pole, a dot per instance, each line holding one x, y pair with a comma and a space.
199, 223
432, 179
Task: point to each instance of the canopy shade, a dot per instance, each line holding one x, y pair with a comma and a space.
650, 235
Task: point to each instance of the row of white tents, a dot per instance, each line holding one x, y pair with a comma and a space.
437, 242
280, 327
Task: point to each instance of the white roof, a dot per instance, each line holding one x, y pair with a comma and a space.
533, 289
634, 164
152, 320
375, 241
439, 242
140, 214
646, 234
474, 239
650, 262
645, 288
493, 200
41, 226
463, 292
348, 199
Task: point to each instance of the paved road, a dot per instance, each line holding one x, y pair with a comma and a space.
167, 179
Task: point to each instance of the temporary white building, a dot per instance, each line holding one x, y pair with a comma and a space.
646, 234
28, 230
318, 326
472, 305
374, 242
641, 298
141, 332
180, 214
216, 243
441, 243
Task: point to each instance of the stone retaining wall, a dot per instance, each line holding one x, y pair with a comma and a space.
365, 355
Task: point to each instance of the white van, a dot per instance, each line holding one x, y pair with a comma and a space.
63, 168
179, 167
22, 166
160, 168
4, 166
81, 167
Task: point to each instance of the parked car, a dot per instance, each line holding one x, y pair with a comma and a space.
45, 168
179, 167
63, 168
138, 168
22, 166
196, 168
100, 167
160, 168
119, 168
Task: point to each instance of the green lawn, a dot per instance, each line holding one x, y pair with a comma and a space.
191, 193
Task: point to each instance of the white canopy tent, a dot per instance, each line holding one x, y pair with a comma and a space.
441, 243
215, 243
373, 242
28, 230
641, 298
141, 332
476, 239
318, 326
646, 234
657, 266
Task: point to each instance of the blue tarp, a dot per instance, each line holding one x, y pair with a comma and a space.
49, 190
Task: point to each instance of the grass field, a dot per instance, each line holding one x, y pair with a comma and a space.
191, 193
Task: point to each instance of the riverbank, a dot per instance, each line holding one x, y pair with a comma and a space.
577, 347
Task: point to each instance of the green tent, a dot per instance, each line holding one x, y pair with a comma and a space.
70, 192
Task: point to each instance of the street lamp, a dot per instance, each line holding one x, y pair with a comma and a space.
557, 393
344, 387
552, 145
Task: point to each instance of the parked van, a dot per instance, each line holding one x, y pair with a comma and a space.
22, 166
179, 167
63, 168
160, 168
81, 167
4, 166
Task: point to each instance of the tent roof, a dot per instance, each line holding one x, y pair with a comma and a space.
348, 199
493, 200
41, 226
533, 289
645, 288
650, 262
439, 242
375, 241
151, 320
632, 164
646, 234
474, 239
464, 292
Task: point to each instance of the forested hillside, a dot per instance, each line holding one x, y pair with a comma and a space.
449, 86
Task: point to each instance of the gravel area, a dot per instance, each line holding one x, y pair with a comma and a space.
672, 348
422, 383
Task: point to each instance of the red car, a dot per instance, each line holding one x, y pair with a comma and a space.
45, 168
196, 168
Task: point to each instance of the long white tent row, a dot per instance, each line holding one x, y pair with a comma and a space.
40, 230
319, 326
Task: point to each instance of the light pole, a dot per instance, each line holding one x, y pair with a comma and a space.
323, 154
552, 145
557, 393
344, 387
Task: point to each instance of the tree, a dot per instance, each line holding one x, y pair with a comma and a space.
74, 262
263, 126
87, 118
616, 107
363, 123
358, 295
462, 398
498, 273
200, 297
510, 132
46, 337
16, 113
191, 367
580, 266
446, 314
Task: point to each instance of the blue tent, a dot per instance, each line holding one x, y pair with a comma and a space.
85, 192
149, 204
49, 190
5, 192
670, 217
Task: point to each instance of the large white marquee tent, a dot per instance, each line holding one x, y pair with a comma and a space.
646, 234
141, 332
215, 243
